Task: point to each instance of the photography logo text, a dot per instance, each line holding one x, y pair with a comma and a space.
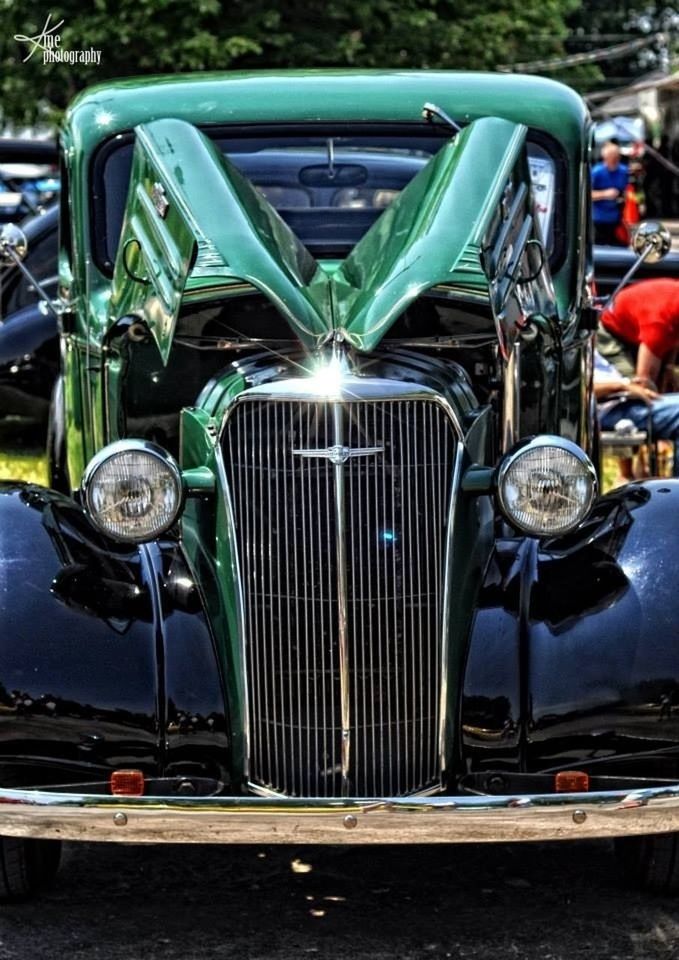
48, 42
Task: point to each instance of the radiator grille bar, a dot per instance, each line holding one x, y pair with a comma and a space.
340, 512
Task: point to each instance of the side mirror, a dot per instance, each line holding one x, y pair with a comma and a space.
13, 250
13, 243
652, 240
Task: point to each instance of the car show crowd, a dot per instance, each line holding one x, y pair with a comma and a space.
638, 337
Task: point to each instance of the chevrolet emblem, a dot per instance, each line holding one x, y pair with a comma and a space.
339, 454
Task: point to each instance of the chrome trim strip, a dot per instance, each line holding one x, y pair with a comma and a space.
511, 399
465, 819
342, 599
445, 626
259, 790
364, 389
338, 454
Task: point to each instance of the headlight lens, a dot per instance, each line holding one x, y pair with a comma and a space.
546, 486
133, 490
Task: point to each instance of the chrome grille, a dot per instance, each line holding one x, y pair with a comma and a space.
342, 567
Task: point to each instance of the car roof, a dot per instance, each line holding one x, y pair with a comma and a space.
337, 96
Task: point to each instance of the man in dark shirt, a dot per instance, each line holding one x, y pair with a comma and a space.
609, 179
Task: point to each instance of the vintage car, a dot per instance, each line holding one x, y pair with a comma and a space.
323, 559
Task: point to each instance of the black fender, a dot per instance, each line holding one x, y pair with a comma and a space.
106, 656
573, 658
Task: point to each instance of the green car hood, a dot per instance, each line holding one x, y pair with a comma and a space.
190, 212
194, 221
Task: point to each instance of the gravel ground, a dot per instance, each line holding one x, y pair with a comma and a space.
546, 901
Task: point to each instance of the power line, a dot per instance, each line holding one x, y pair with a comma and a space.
591, 56
585, 37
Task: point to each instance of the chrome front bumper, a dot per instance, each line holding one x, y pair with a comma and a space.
259, 820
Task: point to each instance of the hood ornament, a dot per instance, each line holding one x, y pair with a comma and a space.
338, 454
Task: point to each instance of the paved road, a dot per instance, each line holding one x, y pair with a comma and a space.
532, 902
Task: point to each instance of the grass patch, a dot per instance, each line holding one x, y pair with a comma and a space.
27, 465
609, 473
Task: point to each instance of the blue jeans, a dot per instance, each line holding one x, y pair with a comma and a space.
664, 420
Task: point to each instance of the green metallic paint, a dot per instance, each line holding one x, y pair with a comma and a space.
199, 480
198, 431
329, 95
218, 227
74, 425
432, 234
103, 112
395, 96
156, 251
207, 540
478, 480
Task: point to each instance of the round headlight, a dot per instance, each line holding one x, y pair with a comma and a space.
133, 490
546, 486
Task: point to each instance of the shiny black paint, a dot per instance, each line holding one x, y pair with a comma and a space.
29, 361
573, 658
25, 332
108, 661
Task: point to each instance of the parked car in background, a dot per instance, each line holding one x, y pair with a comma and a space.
29, 178
29, 343
29, 352
612, 263
323, 558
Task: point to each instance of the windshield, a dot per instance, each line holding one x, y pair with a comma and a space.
329, 188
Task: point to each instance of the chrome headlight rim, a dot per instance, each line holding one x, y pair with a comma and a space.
114, 449
526, 446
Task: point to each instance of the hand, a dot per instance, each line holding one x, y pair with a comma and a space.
610, 194
639, 391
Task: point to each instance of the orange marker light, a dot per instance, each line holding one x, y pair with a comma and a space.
127, 783
571, 781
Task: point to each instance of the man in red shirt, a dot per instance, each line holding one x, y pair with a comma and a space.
641, 329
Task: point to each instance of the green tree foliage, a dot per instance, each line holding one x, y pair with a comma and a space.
171, 36
600, 24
